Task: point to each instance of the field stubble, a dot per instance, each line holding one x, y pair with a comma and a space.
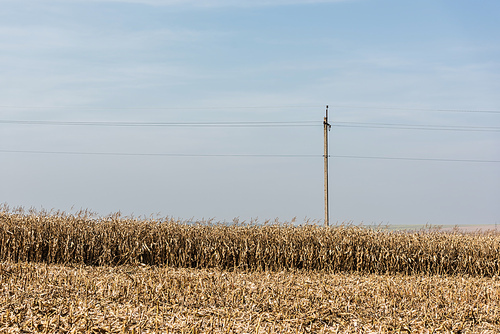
142, 299
73, 273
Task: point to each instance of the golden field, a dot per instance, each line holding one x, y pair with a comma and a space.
44, 298
63, 273
61, 239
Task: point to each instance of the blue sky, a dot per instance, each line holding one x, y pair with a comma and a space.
397, 62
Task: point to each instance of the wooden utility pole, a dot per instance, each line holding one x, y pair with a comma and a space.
326, 128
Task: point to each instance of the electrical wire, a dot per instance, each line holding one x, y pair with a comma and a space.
257, 107
415, 127
160, 108
166, 124
165, 154
258, 124
421, 125
248, 156
416, 109
412, 159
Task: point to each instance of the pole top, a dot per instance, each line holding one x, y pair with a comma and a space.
325, 122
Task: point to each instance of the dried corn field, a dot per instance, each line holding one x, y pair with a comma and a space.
62, 273
60, 238
41, 298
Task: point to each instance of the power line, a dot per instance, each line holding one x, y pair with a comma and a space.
257, 124
165, 124
416, 127
422, 125
165, 154
413, 159
247, 156
418, 109
257, 107
159, 108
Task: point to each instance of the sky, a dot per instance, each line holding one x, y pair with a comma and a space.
71, 70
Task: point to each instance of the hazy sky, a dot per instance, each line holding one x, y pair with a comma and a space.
171, 61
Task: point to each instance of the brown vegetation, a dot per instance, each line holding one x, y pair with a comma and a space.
41, 298
60, 238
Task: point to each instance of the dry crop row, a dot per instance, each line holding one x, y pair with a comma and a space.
41, 298
62, 238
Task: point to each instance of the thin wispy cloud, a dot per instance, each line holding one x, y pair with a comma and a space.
224, 3
120, 60
195, 3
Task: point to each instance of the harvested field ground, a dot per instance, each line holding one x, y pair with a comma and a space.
44, 298
63, 273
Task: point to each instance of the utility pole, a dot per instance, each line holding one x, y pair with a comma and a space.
326, 128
